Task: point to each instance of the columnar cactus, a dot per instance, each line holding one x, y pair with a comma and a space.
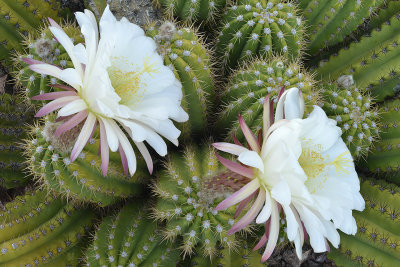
39, 229
185, 53
42, 47
384, 14
385, 156
14, 114
252, 28
130, 239
330, 21
188, 191
193, 10
377, 240
355, 114
19, 18
373, 61
49, 161
249, 86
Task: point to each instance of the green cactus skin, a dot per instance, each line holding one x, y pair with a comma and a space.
378, 237
14, 114
249, 86
373, 61
384, 158
187, 200
330, 21
38, 229
81, 180
130, 239
253, 28
18, 18
189, 11
44, 48
384, 14
185, 53
355, 114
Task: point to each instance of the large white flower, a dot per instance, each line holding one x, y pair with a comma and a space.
119, 81
301, 168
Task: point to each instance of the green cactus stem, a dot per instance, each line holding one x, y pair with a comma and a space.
354, 112
186, 54
81, 180
253, 28
249, 86
378, 237
39, 229
188, 191
130, 239
14, 114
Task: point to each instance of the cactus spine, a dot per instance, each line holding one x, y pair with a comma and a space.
355, 114
330, 21
373, 61
253, 28
39, 229
377, 240
249, 86
188, 193
49, 160
185, 53
13, 116
130, 239
19, 18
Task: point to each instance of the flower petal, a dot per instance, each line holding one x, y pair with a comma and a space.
104, 149
251, 139
146, 155
273, 233
53, 95
252, 159
266, 211
84, 136
235, 167
230, 148
72, 108
239, 195
55, 104
71, 123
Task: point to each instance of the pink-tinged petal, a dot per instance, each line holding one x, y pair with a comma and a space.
104, 149
281, 92
235, 140
72, 108
230, 148
250, 215
240, 195
54, 23
243, 204
265, 236
260, 137
46, 69
63, 87
126, 146
32, 61
146, 155
55, 104
236, 167
71, 123
273, 233
265, 213
251, 139
123, 160
84, 136
53, 95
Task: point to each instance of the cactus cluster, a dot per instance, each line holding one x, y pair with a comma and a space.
14, 115
20, 18
42, 47
186, 54
354, 112
248, 87
377, 240
253, 28
130, 239
39, 229
49, 161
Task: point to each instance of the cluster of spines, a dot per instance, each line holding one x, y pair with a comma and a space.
187, 202
186, 54
330, 21
39, 229
20, 18
252, 28
373, 61
130, 239
377, 240
356, 115
384, 158
248, 87
82, 179
42, 47
14, 114
193, 10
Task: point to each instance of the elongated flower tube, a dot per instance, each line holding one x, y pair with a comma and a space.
118, 83
300, 169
